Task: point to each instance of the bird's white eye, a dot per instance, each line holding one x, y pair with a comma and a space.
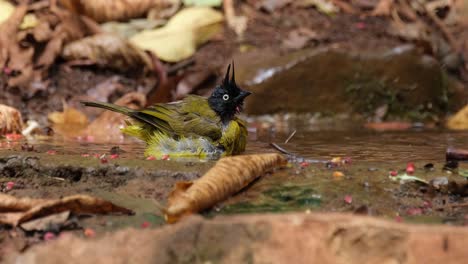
226, 97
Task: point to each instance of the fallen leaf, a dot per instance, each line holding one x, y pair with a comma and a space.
107, 126
113, 10
108, 51
407, 178
383, 8
227, 177
44, 223
6, 10
15, 211
184, 32
69, 123
10, 120
128, 29
213, 3
324, 6
459, 121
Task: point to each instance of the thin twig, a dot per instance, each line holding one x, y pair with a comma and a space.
290, 136
282, 150
294, 156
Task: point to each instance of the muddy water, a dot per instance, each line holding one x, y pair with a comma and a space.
364, 187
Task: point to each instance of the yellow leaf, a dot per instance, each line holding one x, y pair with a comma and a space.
180, 37
460, 120
6, 9
29, 21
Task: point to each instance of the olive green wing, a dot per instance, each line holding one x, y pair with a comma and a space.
183, 119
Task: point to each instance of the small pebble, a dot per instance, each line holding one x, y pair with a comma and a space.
348, 199
338, 174
10, 185
410, 168
145, 224
49, 236
88, 232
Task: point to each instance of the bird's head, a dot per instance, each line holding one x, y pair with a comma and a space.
227, 98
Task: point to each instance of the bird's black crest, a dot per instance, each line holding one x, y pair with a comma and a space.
227, 98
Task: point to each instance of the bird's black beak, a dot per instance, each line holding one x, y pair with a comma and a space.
242, 95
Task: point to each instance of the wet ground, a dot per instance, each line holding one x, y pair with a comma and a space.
358, 183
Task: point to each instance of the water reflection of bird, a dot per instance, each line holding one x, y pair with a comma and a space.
193, 127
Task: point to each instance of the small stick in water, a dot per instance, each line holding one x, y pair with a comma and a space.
290, 136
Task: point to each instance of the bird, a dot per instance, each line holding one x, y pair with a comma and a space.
206, 128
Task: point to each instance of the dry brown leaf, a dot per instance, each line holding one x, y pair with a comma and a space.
227, 177
113, 10
10, 120
107, 126
68, 123
9, 29
108, 50
46, 222
15, 211
383, 8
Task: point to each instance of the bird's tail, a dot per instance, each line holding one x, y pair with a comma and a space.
108, 106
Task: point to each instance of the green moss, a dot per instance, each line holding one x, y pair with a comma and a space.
279, 199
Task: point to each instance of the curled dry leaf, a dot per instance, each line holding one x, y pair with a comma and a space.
113, 10
68, 123
108, 50
183, 33
10, 120
107, 126
14, 211
227, 177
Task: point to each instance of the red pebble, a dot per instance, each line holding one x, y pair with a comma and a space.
89, 232
85, 155
10, 185
145, 224
348, 199
304, 164
150, 158
410, 168
114, 156
165, 157
13, 136
393, 173
7, 70
49, 236
51, 152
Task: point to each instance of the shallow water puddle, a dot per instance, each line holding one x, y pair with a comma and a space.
363, 185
